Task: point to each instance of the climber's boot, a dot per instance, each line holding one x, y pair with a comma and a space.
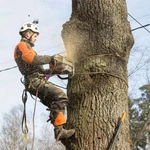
61, 133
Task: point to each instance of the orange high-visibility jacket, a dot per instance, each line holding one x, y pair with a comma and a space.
28, 61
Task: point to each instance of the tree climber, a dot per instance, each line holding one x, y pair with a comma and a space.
30, 65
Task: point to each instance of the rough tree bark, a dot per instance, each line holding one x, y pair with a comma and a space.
98, 38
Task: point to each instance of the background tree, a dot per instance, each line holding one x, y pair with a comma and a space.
139, 119
98, 38
11, 137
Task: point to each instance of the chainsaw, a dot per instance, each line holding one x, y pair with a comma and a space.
62, 65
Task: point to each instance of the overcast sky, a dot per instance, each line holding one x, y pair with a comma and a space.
52, 14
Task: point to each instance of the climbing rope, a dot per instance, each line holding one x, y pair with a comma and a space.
24, 120
33, 120
33, 137
96, 72
114, 53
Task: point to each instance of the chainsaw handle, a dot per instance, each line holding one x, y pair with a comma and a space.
65, 78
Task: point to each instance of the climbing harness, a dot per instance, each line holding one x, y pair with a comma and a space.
117, 129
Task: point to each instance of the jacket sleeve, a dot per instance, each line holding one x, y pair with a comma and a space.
42, 59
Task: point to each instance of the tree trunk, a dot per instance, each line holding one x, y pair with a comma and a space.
98, 38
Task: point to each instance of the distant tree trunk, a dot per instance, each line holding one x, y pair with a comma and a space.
98, 38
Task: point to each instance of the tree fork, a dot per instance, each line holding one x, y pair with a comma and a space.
98, 38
